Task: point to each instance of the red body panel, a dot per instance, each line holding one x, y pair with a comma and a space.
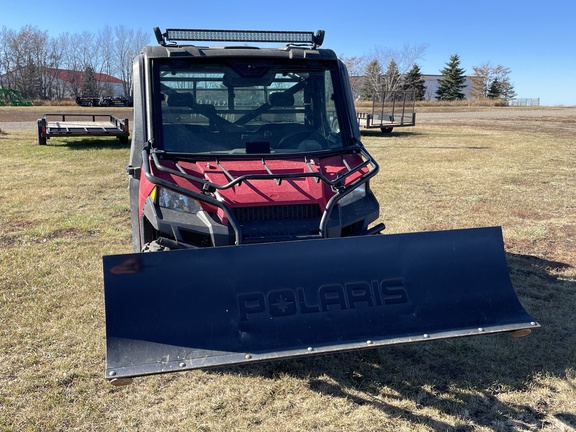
260, 192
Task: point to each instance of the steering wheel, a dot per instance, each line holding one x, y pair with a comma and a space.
295, 138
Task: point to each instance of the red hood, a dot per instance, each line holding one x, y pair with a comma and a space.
262, 192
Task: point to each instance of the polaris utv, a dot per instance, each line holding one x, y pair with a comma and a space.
246, 145
249, 182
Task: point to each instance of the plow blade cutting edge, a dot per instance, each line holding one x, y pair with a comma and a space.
189, 309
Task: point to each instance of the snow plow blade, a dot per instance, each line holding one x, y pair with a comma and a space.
189, 309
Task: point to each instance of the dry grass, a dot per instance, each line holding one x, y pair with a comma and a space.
437, 106
66, 204
33, 113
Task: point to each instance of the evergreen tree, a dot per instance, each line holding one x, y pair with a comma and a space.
372, 85
30, 83
495, 90
452, 82
391, 78
413, 81
507, 91
89, 85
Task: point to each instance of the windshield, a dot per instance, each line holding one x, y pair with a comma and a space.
246, 107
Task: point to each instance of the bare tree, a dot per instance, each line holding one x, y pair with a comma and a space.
403, 59
37, 65
24, 60
58, 48
79, 57
105, 42
5, 58
128, 44
53, 58
488, 78
356, 68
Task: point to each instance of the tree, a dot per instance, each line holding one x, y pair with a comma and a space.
372, 85
491, 82
105, 43
23, 60
451, 84
128, 44
413, 81
399, 62
507, 91
403, 58
356, 67
90, 84
391, 78
495, 90
31, 62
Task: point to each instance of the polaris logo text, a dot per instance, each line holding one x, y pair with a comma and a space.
351, 295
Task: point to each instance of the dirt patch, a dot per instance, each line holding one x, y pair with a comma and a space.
535, 119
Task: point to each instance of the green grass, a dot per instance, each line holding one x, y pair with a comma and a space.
66, 204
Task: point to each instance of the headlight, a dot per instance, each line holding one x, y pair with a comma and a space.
355, 195
175, 201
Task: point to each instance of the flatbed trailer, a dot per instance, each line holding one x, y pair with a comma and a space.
396, 109
104, 101
62, 125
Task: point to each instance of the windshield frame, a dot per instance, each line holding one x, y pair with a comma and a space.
248, 124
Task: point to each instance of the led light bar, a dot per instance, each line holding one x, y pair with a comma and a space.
289, 37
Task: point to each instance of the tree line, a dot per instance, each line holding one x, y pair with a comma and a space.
370, 81
29, 54
29, 57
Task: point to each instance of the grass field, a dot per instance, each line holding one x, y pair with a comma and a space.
65, 205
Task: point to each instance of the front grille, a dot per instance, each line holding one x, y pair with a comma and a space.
277, 213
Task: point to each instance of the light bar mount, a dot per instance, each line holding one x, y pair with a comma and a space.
170, 36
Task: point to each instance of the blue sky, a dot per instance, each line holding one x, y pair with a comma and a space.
535, 39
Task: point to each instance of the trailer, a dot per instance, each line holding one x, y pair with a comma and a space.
63, 125
395, 109
121, 101
87, 101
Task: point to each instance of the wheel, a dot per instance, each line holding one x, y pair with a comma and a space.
41, 132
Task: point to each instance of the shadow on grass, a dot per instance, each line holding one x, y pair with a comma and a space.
110, 143
567, 419
396, 133
461, 377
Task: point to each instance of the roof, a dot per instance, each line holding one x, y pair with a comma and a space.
78, 76
284, 52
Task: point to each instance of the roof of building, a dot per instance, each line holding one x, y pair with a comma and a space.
78, 76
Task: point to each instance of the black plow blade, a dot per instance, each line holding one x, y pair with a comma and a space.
189, 309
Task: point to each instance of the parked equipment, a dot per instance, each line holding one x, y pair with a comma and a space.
389, 110
120, 101
249, 183
100, 125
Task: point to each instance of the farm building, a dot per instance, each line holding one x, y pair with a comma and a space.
430, 81
65, 83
